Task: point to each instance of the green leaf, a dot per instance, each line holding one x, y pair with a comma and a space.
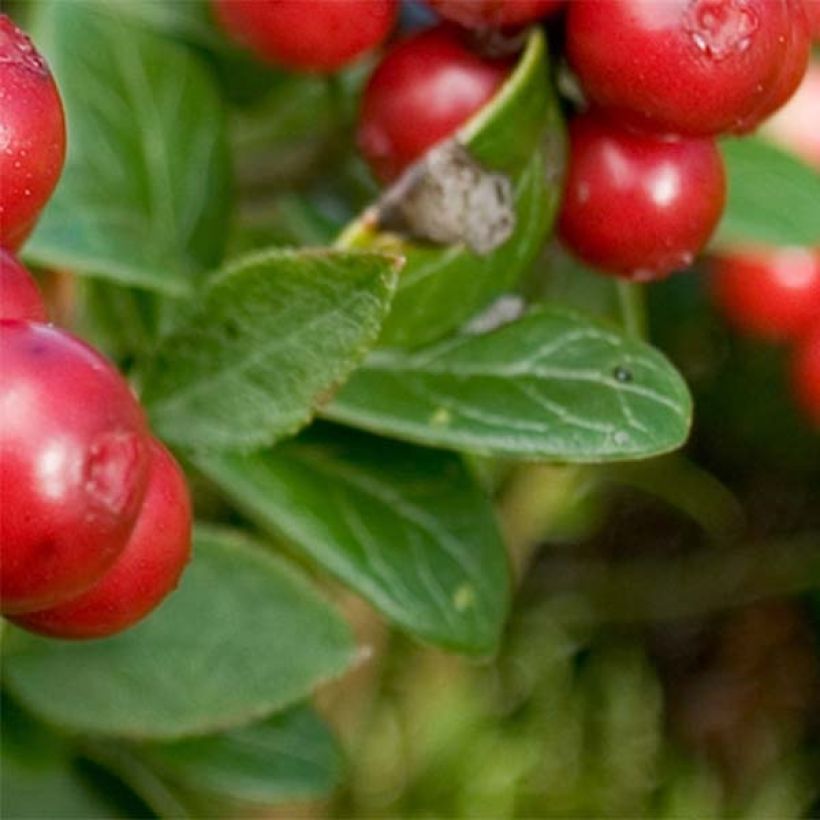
271, 337
242, 637
519, 133
406, 528
290, 756
552, 385
144, 196
39, 776
774, 198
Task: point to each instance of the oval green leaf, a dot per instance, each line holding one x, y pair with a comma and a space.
290, 756
774, 198
407, 528
242, 637
144, 196
271, 337
552, 385
519, 134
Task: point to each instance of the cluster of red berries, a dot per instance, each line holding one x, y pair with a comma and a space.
645, 185
95, 525
773, 294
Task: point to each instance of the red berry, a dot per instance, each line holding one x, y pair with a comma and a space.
494, 13
422, 92
32, 134
795, 127
19, 295
639, 205
806, 376
696, 67
73, 465
322, 35
771, 293
813, 10
147, 570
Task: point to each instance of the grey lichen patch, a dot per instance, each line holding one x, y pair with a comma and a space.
449, 198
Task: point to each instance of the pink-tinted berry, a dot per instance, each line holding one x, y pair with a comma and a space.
19, 295
320, 35
795, 127
637, 205
73, 465
147, 570
425, 88
32, 135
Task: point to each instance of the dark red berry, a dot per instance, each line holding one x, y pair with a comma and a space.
806, 376
795, 127
813, 10
19, 295
697, 67
637, 205
73, 465
32, 134
422, 92
147, 570
322, 35
770, 293
494, 13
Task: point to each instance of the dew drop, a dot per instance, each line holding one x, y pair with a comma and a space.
621, 438
622, 374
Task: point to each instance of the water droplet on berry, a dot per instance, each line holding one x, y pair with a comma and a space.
721, 29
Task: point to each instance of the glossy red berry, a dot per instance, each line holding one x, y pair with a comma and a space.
638, 205
696, 67
494, 13
73, 465
806, 376
795, 127
32, 134
813, 10
19, 295
147, 570
771, 294
322, 35
422, 92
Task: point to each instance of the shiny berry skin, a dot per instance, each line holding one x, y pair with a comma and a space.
477, 14
426, 87
19, 295
147, 570
771, 294
73, 465
32, 135
637, 205
322, 35
806, 376
795, 127
694, 67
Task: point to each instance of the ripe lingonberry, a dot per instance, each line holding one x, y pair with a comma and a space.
494, 13
73, 465
19, 295
771, 293
696, 67
422, 92
32, 135
638, 205
813, 10
806, 376
147, 570
323, 35
795, 127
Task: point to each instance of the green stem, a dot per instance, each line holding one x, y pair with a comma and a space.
632, 299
